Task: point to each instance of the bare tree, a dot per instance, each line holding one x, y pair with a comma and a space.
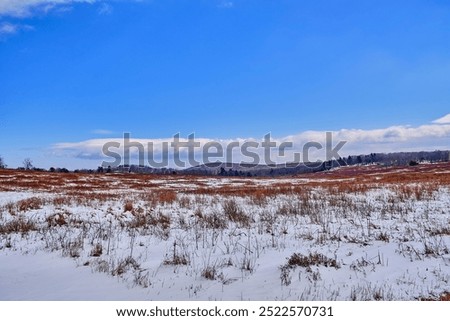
28, 163
2, 163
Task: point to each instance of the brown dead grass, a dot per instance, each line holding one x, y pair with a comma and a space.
20, 225
128, 207
312, 259
33, 203
443, 297
417, 182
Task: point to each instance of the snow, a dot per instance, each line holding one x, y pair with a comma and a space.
48, 277
385, 247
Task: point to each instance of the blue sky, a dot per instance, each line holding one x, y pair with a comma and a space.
78, 71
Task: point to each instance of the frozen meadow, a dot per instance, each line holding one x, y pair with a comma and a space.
354, 233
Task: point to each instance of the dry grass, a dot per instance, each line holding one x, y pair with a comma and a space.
33, 203
124, 266
305, 261
209, 273
97, 250
151, 219
214, 220
243, 217
56, 220
235, 213
443, 297
312, 259
19, 225
417, 182
128, 207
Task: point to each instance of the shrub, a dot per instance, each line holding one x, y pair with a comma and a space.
209, 273
161, 220
28, 204
128, 207
306, 261
97, 250
213, 221
56, 220
19, 225
125, 265
235, 214
383, 236
312, 259
176, 258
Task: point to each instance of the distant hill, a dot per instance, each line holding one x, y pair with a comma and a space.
386, 159
250, 170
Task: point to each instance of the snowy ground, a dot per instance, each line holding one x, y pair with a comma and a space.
318, 238
46, 276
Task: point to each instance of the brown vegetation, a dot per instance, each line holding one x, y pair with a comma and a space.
417, 181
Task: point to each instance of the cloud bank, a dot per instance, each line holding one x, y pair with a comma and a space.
26, 8
427, 137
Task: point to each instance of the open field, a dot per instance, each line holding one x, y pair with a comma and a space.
355, 233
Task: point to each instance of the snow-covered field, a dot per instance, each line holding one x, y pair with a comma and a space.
352, 234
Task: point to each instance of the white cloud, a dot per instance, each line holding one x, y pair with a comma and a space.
384, 140
105, 9
24, 8
443, 120
358, 141
7, 28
